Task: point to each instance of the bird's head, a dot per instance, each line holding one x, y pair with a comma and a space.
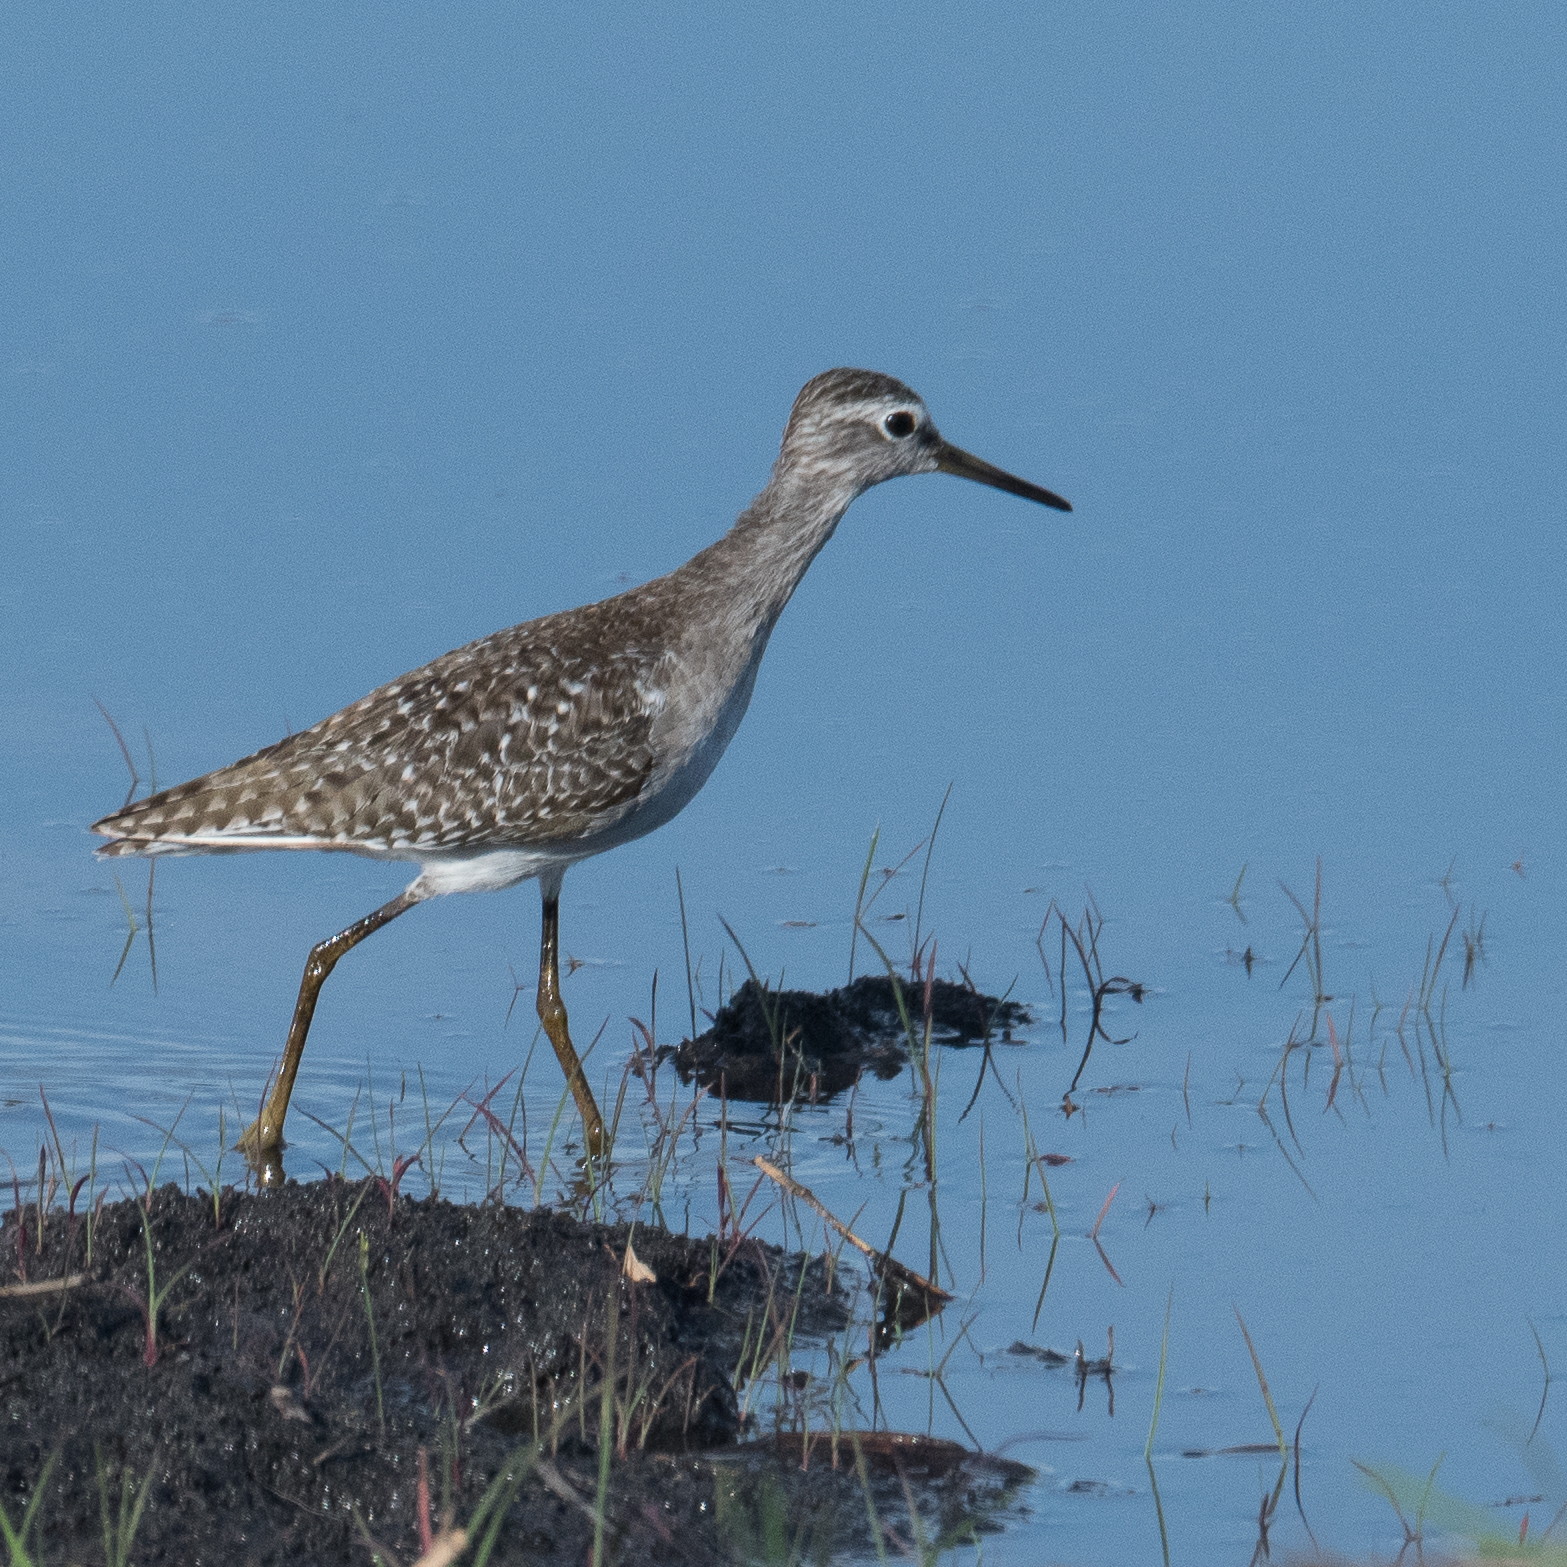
855, 428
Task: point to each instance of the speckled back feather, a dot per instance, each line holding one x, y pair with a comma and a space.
528, 737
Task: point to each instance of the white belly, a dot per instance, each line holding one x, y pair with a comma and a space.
692, 748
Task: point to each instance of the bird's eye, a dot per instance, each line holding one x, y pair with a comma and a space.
899, 425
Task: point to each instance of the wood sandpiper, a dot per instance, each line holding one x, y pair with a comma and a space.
518, 755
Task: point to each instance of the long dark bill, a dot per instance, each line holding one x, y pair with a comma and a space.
953, 459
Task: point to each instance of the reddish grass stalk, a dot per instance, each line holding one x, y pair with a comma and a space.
1093, 1234
422, 1504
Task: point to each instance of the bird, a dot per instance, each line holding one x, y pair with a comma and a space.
516, 756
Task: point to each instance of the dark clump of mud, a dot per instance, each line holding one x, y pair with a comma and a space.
333, 1352
774, 1045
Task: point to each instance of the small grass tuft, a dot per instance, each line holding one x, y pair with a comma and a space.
121, 1521
16, 1536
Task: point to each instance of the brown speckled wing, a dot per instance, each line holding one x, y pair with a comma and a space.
533, 737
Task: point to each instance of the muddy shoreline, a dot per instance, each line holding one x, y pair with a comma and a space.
336, 1369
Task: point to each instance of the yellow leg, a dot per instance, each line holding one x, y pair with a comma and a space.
552, 1014
262, 1144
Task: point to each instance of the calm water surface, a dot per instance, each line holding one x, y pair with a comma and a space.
335, 344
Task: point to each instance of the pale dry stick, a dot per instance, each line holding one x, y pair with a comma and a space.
444, 1549
879, 1259
42, 1286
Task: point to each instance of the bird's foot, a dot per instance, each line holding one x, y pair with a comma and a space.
263, 1151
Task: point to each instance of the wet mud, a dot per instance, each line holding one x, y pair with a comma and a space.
770, 1046
336, 1369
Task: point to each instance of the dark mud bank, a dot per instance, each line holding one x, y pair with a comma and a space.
770, 1046
333, 1362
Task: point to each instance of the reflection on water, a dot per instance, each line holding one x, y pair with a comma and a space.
861, 1495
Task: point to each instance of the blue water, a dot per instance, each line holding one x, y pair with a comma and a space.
335, 340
